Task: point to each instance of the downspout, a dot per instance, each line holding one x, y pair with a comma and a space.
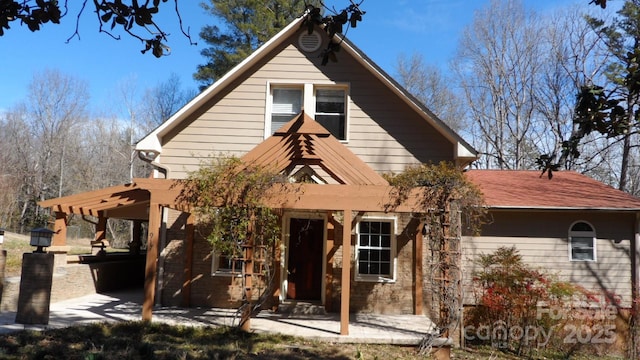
162, 257
149, 156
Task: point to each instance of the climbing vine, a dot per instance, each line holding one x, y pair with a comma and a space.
227, 197
449, 203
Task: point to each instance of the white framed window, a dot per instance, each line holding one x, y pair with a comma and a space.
582, 242
225, 265
376, 249
286, 102
326, 103
331, 111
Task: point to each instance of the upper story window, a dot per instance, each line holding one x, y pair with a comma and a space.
375, 250
330, 111
582, 242
286, 103
327, 104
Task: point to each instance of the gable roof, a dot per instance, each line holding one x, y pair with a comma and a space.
304, 142
526, 189
152, 142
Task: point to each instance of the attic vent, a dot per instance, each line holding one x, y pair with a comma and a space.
310, 42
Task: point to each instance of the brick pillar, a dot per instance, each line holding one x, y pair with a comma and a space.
35, 288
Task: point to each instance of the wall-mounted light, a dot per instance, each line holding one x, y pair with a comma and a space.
41, 238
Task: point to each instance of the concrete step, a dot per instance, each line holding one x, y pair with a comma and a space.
297, 307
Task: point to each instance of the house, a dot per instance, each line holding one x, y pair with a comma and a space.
332, 131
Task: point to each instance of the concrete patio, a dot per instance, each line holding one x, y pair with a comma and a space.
123, 306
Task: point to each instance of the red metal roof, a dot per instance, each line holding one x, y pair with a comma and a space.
567, 189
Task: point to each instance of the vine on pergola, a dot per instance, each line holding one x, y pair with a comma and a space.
450, 202
227, 196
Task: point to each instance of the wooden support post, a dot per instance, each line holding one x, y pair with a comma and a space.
346, 274
101, 229
445, 264
60, 228
188, 263
245, 321
151, 266
418, 276
136, 241
328, 295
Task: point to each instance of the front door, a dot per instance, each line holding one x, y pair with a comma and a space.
304, 265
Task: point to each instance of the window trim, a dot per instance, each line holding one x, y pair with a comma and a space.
591, 234
217, 271
393, 251
308, 101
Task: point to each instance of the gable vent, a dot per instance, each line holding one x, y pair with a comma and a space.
310, 42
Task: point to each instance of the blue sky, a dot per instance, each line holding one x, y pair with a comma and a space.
389, 28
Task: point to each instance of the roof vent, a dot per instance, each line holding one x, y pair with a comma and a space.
310, 42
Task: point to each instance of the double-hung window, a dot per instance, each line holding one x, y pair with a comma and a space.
327, 104
330, 111
286, 103
375, 250
582, 242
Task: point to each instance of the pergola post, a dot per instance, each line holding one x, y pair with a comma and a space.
418, 275
60, 230
346, 274
150, 272
188, 264
136, 234
101, 229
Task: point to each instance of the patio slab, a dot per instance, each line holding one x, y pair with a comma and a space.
123, 306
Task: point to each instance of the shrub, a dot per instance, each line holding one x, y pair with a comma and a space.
511, 298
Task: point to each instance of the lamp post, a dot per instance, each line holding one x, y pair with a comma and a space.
41, 238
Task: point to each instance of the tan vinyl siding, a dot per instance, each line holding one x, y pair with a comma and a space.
382, 129
541, 238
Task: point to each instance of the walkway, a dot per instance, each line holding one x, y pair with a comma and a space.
122, 306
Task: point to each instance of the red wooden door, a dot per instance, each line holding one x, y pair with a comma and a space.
304, 280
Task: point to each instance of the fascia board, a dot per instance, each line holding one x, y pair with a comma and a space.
153, 140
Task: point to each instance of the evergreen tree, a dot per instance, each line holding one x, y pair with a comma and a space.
247, 25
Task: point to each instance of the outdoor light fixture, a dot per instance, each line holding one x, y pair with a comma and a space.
41, 238
1, 236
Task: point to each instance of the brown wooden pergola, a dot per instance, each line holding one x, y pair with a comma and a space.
144, 199
351, 186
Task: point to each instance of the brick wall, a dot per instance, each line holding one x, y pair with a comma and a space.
76, 280
222, 290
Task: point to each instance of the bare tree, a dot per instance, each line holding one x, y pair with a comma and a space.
430, 86
164, 99
576, 57
42, 134
497, 64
